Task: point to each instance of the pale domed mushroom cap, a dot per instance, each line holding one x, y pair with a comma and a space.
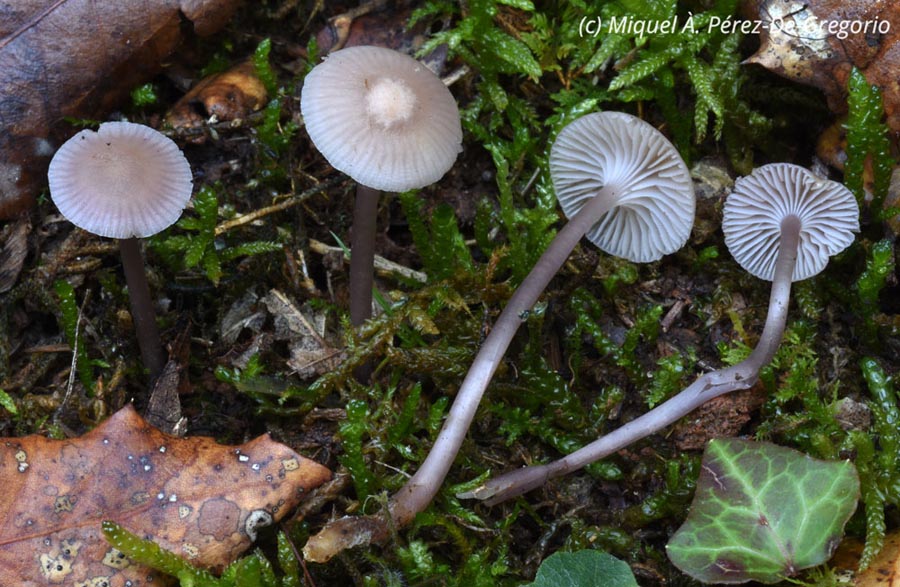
828, 213
382, 118
655, 196
124, 180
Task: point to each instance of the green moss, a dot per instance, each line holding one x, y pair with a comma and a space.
878, 456
439, 243
352, 432
264, 68
867, 139
880, 266
144, 95
198, 246
70, 317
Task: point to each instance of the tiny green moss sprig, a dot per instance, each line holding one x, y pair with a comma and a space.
69, 316
878, 456
879, 266
440, 243
252, 570
867, 139
199, 246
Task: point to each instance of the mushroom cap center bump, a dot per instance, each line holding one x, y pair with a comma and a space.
382, 118
390, 102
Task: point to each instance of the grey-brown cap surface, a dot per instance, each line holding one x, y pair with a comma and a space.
654, 194
828, 214
382, 118
124, 180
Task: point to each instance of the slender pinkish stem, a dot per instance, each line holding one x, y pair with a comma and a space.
362, 254
142, 312
740, 376
418, 492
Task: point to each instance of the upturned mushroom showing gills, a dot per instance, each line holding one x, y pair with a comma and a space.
124, 181
389, 123
621, 183
781, 223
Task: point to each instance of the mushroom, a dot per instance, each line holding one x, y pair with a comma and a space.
781, 223
621, 183
389, 123
124, 181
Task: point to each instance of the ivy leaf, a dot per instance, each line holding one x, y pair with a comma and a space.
762, 513
584, 568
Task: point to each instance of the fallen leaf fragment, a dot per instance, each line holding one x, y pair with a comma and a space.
78, 58
192, 496
230, 95
164, 406
817, 42
13, 250
720, 417
310, 353
885, 569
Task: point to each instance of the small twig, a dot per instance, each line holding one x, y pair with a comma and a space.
306, 576
455, 75
284, 205
394, 469
73, 370
672, 315
381, 264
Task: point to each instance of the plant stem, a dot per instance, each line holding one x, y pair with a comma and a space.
741, 376
142, 313
362, 254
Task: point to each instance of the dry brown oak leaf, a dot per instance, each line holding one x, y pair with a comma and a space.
817, 42
192, 496
78, 58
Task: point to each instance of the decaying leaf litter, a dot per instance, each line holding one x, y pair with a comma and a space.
581, 362
192, 496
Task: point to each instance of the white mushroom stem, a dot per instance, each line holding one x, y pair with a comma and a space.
418, 492
142, 312
741, 376
362, 254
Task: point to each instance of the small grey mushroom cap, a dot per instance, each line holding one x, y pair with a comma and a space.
655, 202
382, 118
124, 180
754, 211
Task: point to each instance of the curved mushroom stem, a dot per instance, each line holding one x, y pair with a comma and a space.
418, 492
741, 376
362, 254
142, 312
